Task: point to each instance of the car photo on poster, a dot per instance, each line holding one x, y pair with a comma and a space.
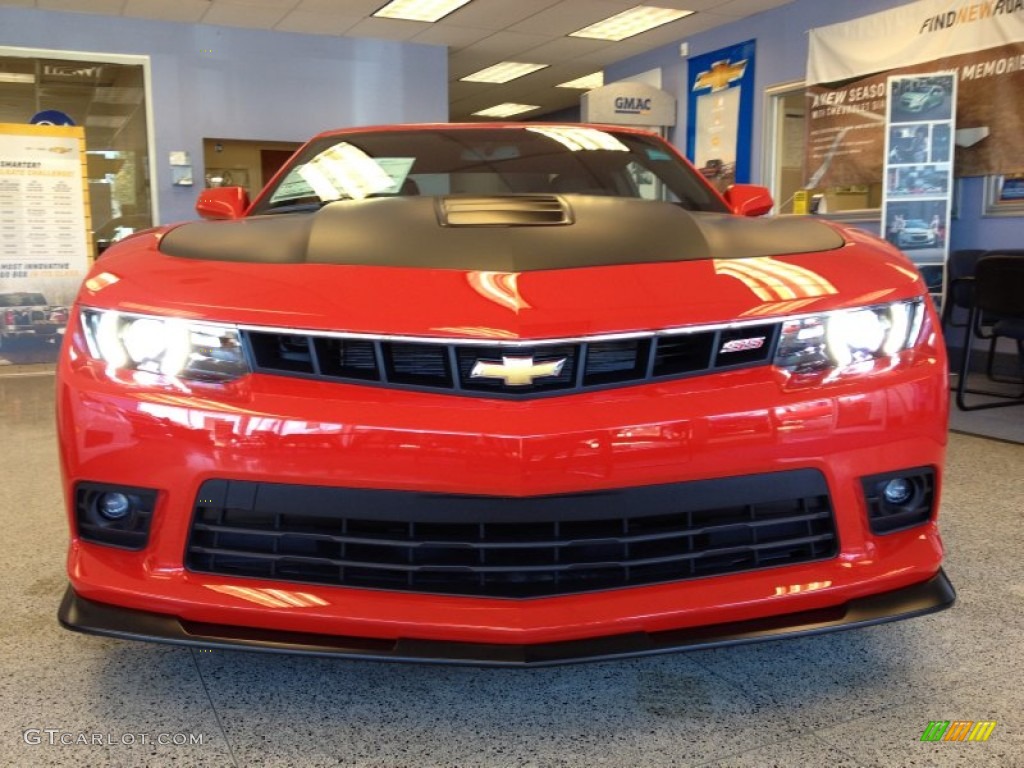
909, 144
917, 227
913, 181
30, 327
922, 98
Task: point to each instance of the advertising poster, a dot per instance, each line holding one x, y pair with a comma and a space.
720, 111
917, 196
982, 43
44, 236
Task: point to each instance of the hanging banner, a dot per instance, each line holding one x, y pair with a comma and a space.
44, 236
720, 113
982, 43
918, 192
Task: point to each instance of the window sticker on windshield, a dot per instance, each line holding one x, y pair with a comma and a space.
398, 169
345, 171
658, 154
292, 188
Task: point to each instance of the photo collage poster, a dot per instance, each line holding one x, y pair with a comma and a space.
918, 191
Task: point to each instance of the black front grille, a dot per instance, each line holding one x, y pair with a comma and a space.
510, 547
474, 369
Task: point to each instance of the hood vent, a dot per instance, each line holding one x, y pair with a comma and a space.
503, 211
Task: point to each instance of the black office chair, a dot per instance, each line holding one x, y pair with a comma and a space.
998, 291
960, 268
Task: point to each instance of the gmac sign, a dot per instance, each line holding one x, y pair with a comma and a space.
628, 103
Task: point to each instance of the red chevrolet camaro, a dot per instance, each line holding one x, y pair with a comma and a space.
499, 394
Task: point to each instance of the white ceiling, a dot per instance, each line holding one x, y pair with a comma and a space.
479, 34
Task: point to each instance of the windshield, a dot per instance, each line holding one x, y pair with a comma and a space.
489, 161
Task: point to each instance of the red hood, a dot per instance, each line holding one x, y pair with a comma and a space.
534, 304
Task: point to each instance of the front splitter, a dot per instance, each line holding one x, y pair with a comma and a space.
82, 615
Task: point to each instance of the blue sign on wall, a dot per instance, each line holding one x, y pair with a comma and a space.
51, 117
720, 112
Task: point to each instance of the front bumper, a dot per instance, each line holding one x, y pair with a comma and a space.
81, 615
288, 431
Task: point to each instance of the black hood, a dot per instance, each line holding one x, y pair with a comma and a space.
499, 234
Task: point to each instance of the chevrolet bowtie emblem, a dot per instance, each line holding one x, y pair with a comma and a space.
516, 371
721, 75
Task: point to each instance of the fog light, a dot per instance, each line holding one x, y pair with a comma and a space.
114, 506
898, 491
114, 515
899, 500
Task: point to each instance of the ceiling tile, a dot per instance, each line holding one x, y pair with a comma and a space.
460, 90
388, 29
503, 46
571, 15
497, 14
687, 5
282, 5
109, 7
670, 33
161, 10
310, 23
454, 37
358, 8
741, 8
245, 13
565, 49
468, 60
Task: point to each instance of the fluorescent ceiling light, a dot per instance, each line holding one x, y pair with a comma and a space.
631, 22
585, 83
503, 72
16, 77
419, 10
506, 110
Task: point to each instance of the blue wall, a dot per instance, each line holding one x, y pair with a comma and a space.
781, 36
253, 84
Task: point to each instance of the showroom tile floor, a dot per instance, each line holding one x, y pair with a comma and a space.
858, 698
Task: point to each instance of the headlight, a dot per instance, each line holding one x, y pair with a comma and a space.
164, 345
837, 340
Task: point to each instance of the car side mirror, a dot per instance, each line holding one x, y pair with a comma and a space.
749, 199
222, 203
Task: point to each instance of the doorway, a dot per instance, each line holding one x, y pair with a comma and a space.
245, 163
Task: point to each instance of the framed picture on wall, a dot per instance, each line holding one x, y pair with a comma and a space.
1004, 195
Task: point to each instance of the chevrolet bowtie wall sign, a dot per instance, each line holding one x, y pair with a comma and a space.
516, 371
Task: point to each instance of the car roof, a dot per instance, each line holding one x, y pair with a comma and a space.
427, 127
